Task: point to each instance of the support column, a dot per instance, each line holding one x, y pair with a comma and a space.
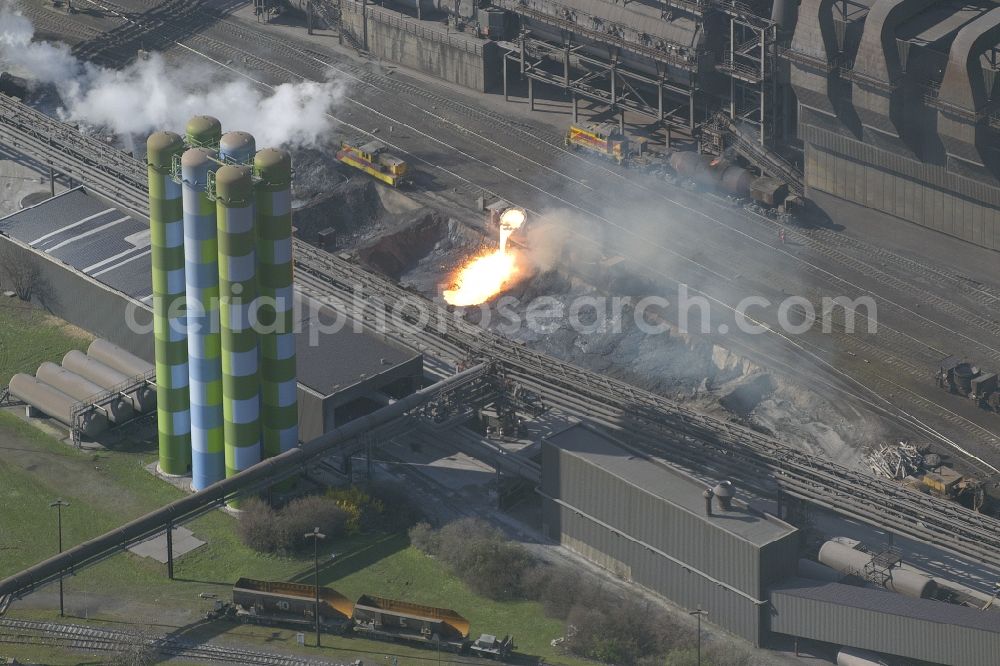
576, 101
364, 22
309, 17
52, 181
621, 122
531, 94
506, 97
170, 550
691, 108
659, 100
566, 68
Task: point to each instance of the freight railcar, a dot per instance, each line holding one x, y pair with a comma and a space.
278, 603
402, 620
374, 159
294, 605
706, 171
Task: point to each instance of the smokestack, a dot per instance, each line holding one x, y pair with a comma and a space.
201, 269
170, 346
724, 492
708, 495
237, 293
273, 197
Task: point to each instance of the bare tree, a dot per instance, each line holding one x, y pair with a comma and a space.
22, 274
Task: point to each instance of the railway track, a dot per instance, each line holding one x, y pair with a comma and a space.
101, 640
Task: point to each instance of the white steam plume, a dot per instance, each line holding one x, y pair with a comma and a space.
151, 94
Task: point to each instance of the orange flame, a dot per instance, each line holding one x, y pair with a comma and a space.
490, 273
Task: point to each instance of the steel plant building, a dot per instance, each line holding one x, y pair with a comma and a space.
647, 523
888, 104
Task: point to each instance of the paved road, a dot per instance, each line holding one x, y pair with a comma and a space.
460, 145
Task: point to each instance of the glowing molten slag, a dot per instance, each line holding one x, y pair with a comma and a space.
490, 273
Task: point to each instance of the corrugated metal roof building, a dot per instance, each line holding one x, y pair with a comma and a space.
873, 619
647, 523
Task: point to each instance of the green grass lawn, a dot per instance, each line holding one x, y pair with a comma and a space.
29, 336
108, 488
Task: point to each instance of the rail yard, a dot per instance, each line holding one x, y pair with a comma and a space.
857, 420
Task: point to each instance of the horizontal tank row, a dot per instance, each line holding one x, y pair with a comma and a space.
220, 222
60, 390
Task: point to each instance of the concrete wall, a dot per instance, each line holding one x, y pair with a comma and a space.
911, 198
85, 302
456, 58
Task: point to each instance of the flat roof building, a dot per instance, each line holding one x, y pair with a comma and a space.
94, 263
647, 523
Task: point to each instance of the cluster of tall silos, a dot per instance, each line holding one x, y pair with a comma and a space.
220, 220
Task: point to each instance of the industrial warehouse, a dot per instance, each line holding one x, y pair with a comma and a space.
357, 333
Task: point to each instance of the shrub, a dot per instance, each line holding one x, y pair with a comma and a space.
258, 526
424, 538
479, 554
265, 530
303, 514
624, 632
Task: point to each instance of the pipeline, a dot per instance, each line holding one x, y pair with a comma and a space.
261, 475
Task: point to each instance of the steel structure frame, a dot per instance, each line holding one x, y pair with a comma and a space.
106, 397
605, 82
653, 422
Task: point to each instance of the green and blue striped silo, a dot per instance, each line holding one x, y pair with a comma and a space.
169, 325
201, 270
238, 293
279, 408
203, 132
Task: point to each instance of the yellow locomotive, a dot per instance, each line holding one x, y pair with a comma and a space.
603, 139
374, 159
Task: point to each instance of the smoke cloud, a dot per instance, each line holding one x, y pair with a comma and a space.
151, 94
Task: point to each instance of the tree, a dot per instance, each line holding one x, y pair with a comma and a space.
22, 273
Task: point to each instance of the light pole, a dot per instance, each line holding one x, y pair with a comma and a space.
59, 504
315, 535
698, 613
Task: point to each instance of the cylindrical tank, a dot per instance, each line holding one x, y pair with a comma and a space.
686, 163
963, 373
736, 181
817, 571
173, 413
143, 398
204, 132
201, 273
55, 403
115, 357
849, 561
118, 409
849, 656
237, 293
278, 386
237, 148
